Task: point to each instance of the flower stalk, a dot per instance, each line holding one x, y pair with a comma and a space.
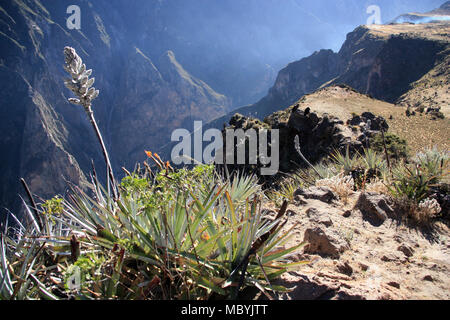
81, 85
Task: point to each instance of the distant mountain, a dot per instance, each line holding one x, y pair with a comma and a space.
158, 100
388, 62
440, 14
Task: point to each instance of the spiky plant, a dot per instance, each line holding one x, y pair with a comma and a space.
434, 163
201, 236
373, 161
346, 162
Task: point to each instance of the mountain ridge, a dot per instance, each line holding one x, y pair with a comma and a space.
360, 61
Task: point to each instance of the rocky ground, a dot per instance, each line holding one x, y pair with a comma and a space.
358, 250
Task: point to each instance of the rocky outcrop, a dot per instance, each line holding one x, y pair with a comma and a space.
319, 136
324, 242
374, 207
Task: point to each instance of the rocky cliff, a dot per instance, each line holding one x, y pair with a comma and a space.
393, 63
158, 101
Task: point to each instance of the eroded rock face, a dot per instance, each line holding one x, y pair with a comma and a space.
155, 101
394, 63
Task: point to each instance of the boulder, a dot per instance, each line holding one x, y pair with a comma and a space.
319, 217
406, 249
344, 268
324, 242
323, 194
374, 207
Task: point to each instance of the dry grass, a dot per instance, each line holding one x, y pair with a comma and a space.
377, 186
435, 31
341, 185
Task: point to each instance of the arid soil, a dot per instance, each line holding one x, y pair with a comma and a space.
355, 251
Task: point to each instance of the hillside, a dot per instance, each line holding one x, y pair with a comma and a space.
421, 131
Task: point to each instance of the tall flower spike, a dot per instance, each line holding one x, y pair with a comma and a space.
79, 83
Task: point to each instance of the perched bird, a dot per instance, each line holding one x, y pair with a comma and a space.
295, 108
307, 111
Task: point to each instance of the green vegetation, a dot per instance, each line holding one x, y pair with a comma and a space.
409, 182
396, 146
413, 181
186, 234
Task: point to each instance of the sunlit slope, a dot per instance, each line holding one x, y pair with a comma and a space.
420, 130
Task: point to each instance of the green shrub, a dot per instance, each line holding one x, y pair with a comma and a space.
397, 148
347, 163
410, 182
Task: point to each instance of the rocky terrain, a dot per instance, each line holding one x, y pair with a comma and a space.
359, 250
420, 130
330, 119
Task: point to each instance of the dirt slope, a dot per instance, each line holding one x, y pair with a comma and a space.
420, 130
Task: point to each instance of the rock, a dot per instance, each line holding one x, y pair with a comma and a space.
368, 115
406, 249
344, 268
389, 257
321, 287
355, 121
428, 278
290, 213
319, 217
304, 287
323, 194
368, 121
394, 284
328, 243
364, 267
347, 214
374, 207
